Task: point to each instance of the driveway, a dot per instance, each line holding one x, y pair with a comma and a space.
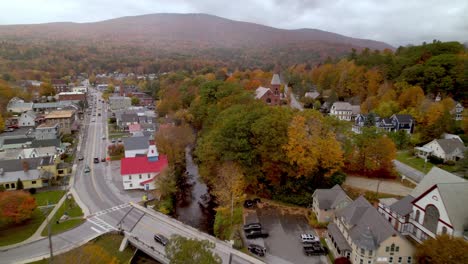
386, 186
283, 244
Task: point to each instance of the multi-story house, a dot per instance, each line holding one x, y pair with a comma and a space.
344, 111
458, 111
60, 86
140, 172
18, 105
436, 206
27, 119
64, 118
364, 236
47, 131
327, 201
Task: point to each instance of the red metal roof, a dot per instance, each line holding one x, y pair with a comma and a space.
142, 165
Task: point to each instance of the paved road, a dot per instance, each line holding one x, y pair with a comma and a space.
386, 186
408, 171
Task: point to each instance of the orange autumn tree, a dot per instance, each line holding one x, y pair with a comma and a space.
312, 147
16, 206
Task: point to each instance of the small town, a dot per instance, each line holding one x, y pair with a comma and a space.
193, 138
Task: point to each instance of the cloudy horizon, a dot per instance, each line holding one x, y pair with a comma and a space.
396, 22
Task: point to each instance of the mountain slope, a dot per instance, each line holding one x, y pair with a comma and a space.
182, 31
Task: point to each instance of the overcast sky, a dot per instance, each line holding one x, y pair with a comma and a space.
397, 22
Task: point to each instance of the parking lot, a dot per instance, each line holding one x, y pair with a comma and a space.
283, 243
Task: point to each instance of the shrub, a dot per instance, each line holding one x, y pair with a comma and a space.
32, 191
435, 160
337, 178
450, 162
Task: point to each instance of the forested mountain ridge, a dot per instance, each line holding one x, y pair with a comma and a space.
181, 31
165, 42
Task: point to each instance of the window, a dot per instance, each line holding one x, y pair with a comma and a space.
129, 177
387, 249
431, 218
140, 176
397, 249
33, 182
417, 216
400, 259
390, 260
131, 185
370, 252
392, 248
13, 186
409, 260
148, 176
444, 230
7, 186
363, 251
361, 261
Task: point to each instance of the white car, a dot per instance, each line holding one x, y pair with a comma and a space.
309, 238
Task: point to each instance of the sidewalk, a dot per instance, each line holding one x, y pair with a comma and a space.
386, 186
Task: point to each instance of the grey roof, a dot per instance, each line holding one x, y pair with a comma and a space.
330, 198
433, 177
9, 141
46, 143
342, 106
450, 145
17, 132
455, 198
312, 95
133, 117
368, 228
404, 206
17, 164
338, 237
134, 143
275, 80
403, 118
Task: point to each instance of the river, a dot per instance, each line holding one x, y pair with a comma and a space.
188, 210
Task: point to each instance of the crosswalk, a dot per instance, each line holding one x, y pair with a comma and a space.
99, 225
112, 209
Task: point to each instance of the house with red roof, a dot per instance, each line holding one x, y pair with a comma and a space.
140, 172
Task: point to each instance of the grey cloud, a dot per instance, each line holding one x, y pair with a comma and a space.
398, 22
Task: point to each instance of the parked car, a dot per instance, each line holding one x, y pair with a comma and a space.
103, 160
161, 239
315, 250
255, 234
113, 140
252, 226
257, 250
87, 169
80, 158
119, 139
103, 137
96, 160
248, 203
309, 238
99, 114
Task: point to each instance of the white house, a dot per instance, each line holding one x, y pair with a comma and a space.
27, 119
327, 201
17, 105
458, 111
135, 146
140, 172
47, 131
436, 206
344, 110
446, 149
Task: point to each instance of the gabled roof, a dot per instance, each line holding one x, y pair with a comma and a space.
129, 117
275, 80
368, 228
135, 143
17, 164
312, 95
139, 165
330, 198
342, 106
261, 91
60, 114
403, 118
403, 206
455, 198
433, 177
450, 145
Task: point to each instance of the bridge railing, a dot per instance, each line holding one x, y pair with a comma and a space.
149, 249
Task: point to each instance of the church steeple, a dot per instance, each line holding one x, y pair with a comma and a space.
152, 154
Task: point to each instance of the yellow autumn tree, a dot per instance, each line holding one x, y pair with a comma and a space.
230, 184
411, 97
2, 123
312, 147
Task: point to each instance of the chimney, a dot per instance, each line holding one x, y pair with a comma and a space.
152, 154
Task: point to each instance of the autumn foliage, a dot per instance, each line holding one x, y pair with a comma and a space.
16, 206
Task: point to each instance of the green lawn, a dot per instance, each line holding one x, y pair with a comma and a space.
52, 196
73, 210
15, 233
109, 242
413, 161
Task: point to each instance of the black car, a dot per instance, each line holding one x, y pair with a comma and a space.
248, 203
252, 227
96, 160
315, 250
161, 239
103, 160
257, 250
256, 234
